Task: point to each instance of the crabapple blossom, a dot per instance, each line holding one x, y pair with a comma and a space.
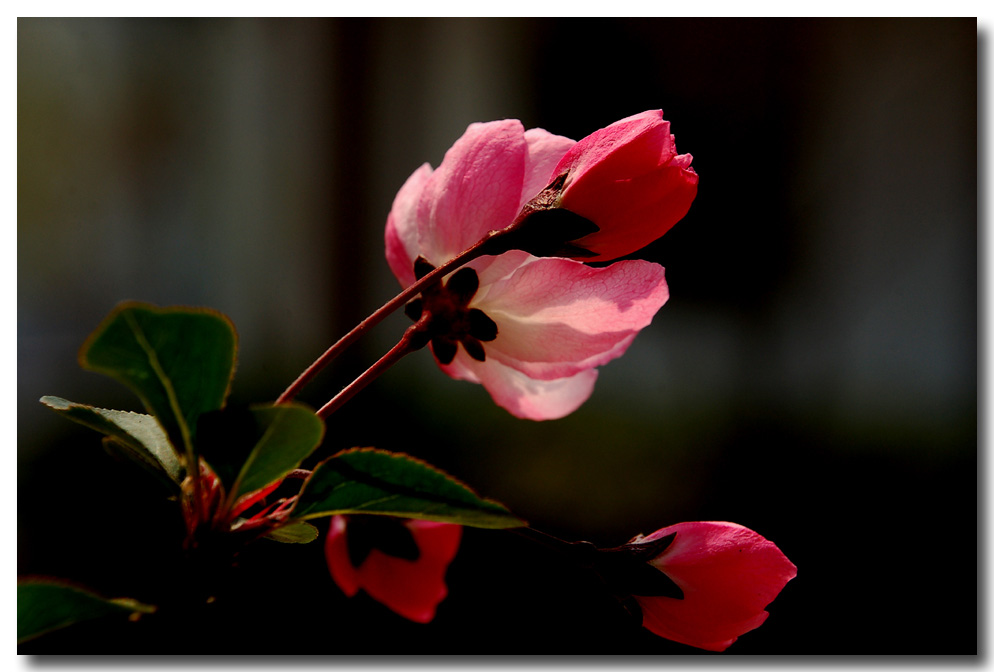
727, 573
398, 562
629, 181
531, 330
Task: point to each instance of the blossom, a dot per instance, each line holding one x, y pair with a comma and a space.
399, 563
531, 330
629, 181
727, 573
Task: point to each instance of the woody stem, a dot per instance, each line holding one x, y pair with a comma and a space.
478, 249
413, 339
571, 548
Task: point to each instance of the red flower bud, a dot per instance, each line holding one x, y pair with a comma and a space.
728, 574
408, 578
628, 180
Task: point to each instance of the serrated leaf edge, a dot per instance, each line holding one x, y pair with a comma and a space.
153, 359
75, 404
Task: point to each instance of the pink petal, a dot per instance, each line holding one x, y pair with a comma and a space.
624, 295
557, 317
476, 189
402, 226
415, 588
491, 270
568, 344
522, 396
728, 574
629, 180
545, 150
461, 368
660, 618
336, 553
632, 146
641, 209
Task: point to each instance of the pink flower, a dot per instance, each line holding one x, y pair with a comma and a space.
728, 574
629, 180
530, 330
399, 563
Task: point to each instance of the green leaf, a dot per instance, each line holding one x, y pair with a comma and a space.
44, 605
136, 435
375, 481
290, 432
250, 448
178, 360
298, 532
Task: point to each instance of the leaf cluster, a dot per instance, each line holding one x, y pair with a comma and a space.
180, 362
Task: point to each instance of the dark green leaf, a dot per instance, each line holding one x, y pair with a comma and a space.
291, 432
44, 605
135, 435
297, 532
178, 360
375, 481
250, 448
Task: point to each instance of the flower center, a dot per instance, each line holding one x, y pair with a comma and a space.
451, 320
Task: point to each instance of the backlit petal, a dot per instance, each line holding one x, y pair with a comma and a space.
728, 574
630, 182
402, 226
557, 317
545, 150
477, 188
632, 146
644, 208
526, 397
413, 589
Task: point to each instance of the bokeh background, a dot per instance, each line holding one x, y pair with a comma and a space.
813, 377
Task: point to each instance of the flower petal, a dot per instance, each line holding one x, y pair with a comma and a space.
557, 317
522, 396
562, 352
336, 553
402, 226
545, 150
728, 574
413, 589
477, 188
643, 208
659, 618
492, 270
629, 180
632, 146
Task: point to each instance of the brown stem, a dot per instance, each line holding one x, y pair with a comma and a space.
476, 250
413, 339
549, 541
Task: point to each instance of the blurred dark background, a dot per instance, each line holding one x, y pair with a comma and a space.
813, 377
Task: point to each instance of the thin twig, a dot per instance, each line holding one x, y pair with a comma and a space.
405, 345
471, 253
